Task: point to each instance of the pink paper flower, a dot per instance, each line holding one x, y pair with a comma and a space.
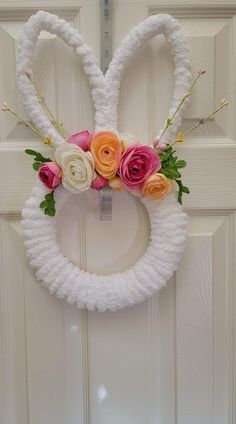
99, 183
81, 139
201, 71
158, 145
162, 147
137, 163
50, 174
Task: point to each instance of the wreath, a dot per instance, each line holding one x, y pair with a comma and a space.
95, 160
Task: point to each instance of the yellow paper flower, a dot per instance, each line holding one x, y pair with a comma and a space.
180, 137
156, 186
116, 183
106, 151
122, 145
47, 141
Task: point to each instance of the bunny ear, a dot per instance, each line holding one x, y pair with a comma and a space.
153, 25
46, 21
105, 91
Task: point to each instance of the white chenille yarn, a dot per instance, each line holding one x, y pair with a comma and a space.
105, 89
167, 219
104, 292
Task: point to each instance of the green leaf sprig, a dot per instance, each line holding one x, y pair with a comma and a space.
48, 204
170, 168
182, 189
38, 158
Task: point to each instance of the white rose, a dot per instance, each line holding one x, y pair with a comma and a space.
77, 167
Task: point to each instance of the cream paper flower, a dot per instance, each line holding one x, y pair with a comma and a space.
77, 167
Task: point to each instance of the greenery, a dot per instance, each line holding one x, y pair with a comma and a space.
38, 158
48, 204
170, 168
182, 189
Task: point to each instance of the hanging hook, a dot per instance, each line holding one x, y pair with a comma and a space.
105, 203
105, 195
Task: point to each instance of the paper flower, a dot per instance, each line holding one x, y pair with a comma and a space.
50, 174
137, 163
99, 183
81, 139
77, 167
116, 184
106, 151
156, 186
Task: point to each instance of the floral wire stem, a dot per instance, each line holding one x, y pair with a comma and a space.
185, 96
6, 108
58, 125
46, 140
223, 103
200, 72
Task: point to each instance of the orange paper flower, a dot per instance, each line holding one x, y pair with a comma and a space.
106, 151
156, 186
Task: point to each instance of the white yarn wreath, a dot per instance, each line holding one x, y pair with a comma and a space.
167, 240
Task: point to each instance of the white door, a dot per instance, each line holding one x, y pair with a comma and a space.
169, 360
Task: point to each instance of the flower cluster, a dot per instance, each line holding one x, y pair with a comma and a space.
95, 160
87, 160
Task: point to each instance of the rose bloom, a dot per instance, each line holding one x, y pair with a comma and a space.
81, 139
156, 186
106, 151
77, 167
99, 183
50, 174
137, 163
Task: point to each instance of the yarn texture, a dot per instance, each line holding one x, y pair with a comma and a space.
167, 219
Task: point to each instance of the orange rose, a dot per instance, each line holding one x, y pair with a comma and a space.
156, 186
106, 151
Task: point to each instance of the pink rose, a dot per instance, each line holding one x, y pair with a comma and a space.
81, 139
99, 183
137, 163
50, 174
